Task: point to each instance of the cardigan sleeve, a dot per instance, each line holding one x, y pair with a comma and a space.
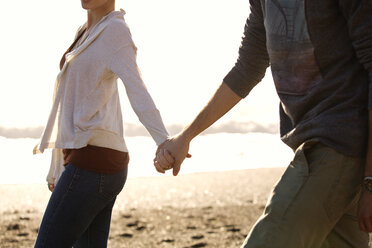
124, 65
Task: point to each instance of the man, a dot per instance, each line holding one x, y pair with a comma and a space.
320, 53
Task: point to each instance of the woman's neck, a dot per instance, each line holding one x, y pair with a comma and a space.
95, 15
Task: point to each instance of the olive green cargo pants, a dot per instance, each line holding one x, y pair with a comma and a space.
314, 204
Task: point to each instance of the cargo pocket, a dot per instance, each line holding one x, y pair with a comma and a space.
289, 186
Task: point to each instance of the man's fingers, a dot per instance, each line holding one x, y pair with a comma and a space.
365, 223
176, 168
361, 225
368, 224
169, 157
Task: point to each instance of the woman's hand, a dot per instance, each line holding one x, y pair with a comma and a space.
163, 159
51, 187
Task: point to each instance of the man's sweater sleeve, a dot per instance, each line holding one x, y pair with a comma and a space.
358, 14
253, 58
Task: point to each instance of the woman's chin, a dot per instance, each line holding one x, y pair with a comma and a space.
86, 7
85, 4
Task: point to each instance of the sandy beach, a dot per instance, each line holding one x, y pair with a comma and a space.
197, 210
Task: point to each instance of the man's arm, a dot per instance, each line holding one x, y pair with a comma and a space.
249, 70
359, 21
222, 101
365, 203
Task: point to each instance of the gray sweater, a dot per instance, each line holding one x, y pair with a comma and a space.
320, 53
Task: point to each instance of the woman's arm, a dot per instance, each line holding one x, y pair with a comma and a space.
124, 65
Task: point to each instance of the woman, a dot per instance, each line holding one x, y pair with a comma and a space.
85, 124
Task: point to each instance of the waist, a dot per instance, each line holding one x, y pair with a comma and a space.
97, 159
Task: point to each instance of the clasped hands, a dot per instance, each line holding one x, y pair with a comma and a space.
171, 153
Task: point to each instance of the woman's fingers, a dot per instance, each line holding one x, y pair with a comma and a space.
162, 160
51, 187
158, 167
165, 159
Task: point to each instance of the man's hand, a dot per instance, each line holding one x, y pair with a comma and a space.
365, 212
365, 202
171, 154
222, 101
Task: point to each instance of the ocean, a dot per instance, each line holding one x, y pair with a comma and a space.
220, 151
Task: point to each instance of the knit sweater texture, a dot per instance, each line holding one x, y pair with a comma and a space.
320, 54
86, 108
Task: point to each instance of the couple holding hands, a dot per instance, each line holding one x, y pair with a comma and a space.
323, 199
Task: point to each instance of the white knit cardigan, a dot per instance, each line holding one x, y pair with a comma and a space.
86, 108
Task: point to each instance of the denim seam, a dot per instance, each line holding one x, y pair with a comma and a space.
101, 186
101, 183
76, 175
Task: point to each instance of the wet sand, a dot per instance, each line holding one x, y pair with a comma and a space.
196, 210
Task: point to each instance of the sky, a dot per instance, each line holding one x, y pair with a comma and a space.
185, 48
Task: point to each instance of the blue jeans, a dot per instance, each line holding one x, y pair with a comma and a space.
79, 210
